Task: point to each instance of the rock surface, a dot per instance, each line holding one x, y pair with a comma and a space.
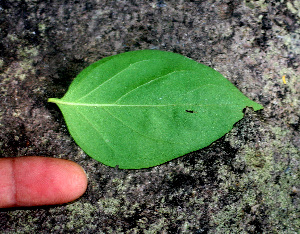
246, 182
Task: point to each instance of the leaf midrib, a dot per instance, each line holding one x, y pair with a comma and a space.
110, 105
59, 101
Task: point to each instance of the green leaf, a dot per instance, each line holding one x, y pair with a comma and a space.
143, 108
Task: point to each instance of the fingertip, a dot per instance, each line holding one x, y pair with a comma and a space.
73, 181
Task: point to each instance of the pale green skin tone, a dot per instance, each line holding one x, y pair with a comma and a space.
143, 108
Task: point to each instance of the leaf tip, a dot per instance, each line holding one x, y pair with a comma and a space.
257, 107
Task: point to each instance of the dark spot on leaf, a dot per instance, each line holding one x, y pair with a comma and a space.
190, 111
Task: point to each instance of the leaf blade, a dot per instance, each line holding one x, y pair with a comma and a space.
154, 107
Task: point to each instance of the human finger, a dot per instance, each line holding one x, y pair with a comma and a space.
36, 181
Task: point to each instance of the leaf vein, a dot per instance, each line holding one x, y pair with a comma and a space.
92, 125
124, 95
155, 139
100, 85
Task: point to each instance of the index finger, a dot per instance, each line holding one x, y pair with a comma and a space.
36, 181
